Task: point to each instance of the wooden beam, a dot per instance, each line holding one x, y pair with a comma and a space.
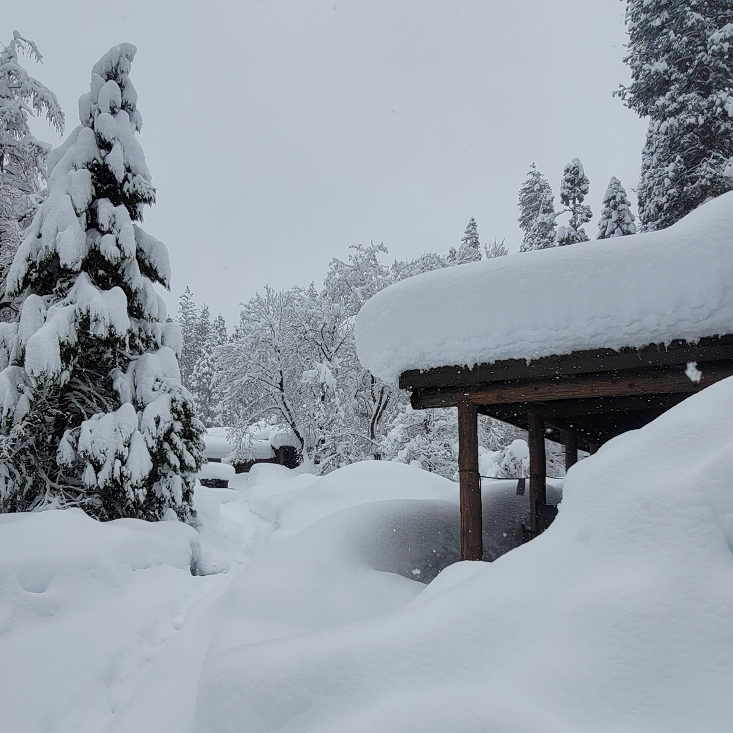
650, 381
712, 349
469, 482
571, 448
537, 471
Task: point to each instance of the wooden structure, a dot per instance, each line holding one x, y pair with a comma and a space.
580, 399
285, 455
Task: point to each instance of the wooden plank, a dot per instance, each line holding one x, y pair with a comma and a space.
571, 448
577, 408
718, 348
537, 470
651, 381
469, 482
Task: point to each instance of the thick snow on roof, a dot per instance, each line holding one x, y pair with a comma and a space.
626, 291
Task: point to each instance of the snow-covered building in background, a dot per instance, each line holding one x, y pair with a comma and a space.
266, 444
576, 344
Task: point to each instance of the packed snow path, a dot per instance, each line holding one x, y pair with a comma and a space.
310, 621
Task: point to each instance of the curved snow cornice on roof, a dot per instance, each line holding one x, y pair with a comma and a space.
623, 292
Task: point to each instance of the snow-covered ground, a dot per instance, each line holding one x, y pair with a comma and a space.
310, 610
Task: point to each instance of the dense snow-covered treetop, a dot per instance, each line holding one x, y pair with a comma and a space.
612, 293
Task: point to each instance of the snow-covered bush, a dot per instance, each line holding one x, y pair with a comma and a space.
93, 412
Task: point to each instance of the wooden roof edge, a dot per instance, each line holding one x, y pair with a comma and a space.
622, 383
713, 348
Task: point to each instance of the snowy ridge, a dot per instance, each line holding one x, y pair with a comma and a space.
613, 293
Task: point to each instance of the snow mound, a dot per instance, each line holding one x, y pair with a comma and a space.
217, 443
218, 471
612, 293
617, 617
83, 605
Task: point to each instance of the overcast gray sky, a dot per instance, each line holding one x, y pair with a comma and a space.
279, 132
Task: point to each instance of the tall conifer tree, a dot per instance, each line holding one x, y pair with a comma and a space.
681, 60
536, 212
22, 156
573, 189
470, 249
616, 217
93, 412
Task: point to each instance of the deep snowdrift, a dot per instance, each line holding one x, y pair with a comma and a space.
617, 618
310, 613
625, 291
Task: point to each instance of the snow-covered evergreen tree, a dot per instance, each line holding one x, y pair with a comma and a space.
616, 217
573, 189
206, 395
93, 411
470, 249
22, 156
190, 324
536, 212
681, 60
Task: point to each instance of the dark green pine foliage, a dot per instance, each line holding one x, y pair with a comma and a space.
93, 412
573, 190
681, 60
536, 212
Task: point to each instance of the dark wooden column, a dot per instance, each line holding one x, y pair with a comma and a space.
571, 449
537, 471
470, 482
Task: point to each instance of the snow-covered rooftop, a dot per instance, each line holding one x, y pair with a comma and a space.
623, 292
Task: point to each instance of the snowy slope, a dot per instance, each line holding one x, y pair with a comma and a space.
625, 291
618, 618
309, 617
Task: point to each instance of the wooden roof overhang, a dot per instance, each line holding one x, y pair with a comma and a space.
580, 399
597, 394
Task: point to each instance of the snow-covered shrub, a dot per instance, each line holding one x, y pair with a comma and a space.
93, 412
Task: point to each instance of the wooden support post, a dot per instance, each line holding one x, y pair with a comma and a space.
571, 448
537, 472
470, 482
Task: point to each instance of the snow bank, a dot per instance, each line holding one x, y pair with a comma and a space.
613, 293
616, 618
217, 471
83, 605
217, 443
310, 613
